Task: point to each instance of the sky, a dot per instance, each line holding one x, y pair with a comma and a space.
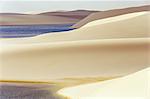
39, 6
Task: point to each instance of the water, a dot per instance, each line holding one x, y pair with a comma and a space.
31, 30
28, 91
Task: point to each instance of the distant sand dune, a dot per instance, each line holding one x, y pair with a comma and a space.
77, 14
8, 19
133, 25
58, 17
134, 86
110, 13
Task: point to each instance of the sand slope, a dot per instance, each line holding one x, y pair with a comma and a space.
89, 58
125, 17
134, 86
110, 13
134, 25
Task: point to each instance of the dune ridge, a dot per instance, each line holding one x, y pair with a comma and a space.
78, 14
116, 18
110, 13
133, 86
58, 17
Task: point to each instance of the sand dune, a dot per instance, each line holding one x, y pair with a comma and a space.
89, 58
134, 25
20, 19
110, 13
78, 14
124, 17
134, 86
58, 17
115, 28
107, 49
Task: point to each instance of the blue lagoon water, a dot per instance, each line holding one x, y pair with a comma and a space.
31, 30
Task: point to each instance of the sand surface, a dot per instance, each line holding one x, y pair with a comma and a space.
125, 17
110, 13
134, 86
73, 59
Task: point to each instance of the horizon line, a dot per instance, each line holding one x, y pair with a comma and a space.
69, 10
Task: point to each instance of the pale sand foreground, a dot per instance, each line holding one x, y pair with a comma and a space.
134, 86
43, 62
134, 25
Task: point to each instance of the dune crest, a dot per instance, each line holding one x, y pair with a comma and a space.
133, 86
110, 13
114, 19
77, 14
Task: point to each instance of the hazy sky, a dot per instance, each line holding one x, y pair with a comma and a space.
38, 6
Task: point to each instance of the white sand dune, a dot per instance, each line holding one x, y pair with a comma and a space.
134, 86
98, 50
134, 25
124, 17
112, 47
89, 58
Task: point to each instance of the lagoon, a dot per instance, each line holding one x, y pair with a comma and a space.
31, 30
